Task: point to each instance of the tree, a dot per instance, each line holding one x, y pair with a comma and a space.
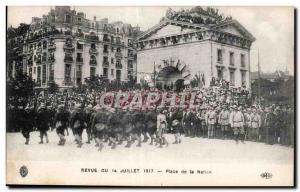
20, 89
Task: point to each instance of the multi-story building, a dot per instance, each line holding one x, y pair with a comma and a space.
66, 47
181, 51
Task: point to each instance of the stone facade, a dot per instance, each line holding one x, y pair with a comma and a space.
219, 51
66, 47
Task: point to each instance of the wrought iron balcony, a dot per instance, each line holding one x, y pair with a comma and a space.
79, 60
119, 66
105, 63
118, 54
93, 62
52, 46
68, 59
93, 51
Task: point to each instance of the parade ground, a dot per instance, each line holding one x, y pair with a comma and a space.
191, 150
211, 157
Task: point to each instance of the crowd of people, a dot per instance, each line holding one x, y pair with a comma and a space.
218, 112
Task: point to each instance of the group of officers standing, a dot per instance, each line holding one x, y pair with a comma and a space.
113, 126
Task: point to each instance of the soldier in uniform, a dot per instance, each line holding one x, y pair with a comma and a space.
60, 122
43, 122
211, 117
161, 126
114, 127
89, 112
128, 126
99, 123
237, 122
224, 122
175, 123
269, 126
27, 119
151, 124
138, 119
247, 116
77, 122
255, 120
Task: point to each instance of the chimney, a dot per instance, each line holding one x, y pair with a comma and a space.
95, 18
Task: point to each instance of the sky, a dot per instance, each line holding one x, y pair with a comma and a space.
273, 27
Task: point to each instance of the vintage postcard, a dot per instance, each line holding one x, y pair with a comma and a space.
150, 96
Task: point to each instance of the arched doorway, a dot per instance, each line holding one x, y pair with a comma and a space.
179, 84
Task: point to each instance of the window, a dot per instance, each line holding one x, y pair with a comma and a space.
68, 19
232, 79
231, 58
39, 74
130, 65
44, 74
112, 61
105, 49
112, 72
78, 74
112, 49
44, 44
118, 30
105, 72
51, 74
243, 75
220, 56
220, 73
79, 57
30, 72
118, 77
79, 19
112, 39
92, 71
242, 60
79, 45
34, 70
67, 73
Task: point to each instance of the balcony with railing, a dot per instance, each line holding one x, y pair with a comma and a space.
93, 62
93, 51
79, 60
106, 39
119, 66
67, 82
68, 59
69, 46
118, 54
105, 64
44, 59
51, 46
38, 61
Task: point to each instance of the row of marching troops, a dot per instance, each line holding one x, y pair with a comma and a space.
272, 125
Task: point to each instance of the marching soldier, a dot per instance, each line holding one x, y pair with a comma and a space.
237, 123
161, 126
151, 124
114, 125
138, 119
60, 122
27, 120
99, 125
77, 124
89, 114
175, 123
224, 122
43, 122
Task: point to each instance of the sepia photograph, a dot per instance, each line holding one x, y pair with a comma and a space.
157, 96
